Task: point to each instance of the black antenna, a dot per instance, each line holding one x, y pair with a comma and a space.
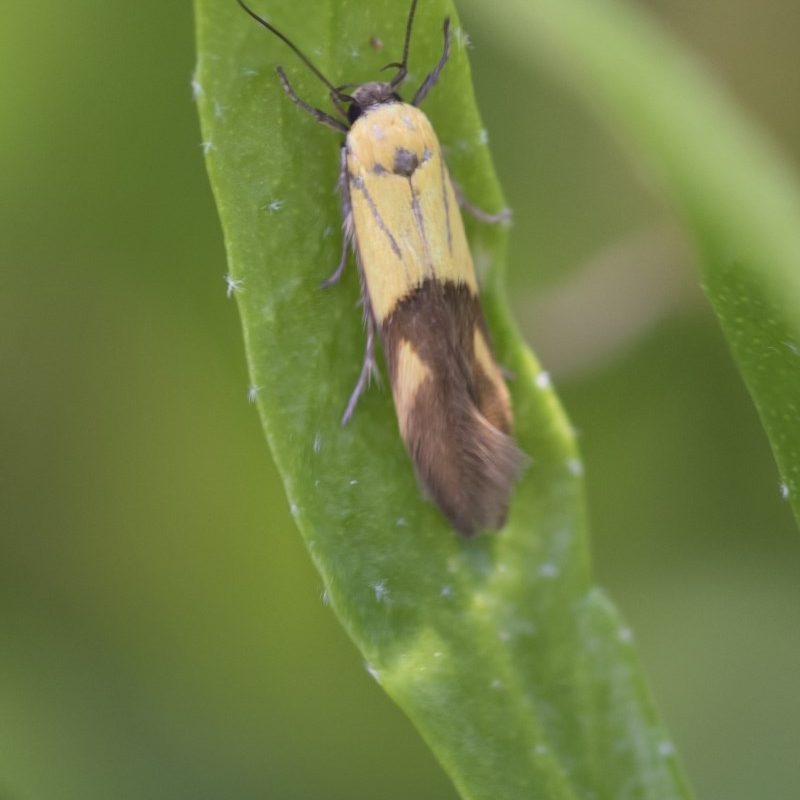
334, 91
401, 67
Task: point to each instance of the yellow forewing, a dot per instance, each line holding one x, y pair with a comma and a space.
411, 373
406, 219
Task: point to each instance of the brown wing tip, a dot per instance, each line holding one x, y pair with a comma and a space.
496, 463
471, 480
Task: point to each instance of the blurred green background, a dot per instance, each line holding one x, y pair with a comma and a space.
162, 633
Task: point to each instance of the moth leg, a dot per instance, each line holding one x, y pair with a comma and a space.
368, 368
430, 81
479, 213
347, 223
339, 269
319, 116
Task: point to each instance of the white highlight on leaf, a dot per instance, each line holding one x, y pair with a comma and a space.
575, 466
317, 446
542, 380
446, 591
372, 671
496, 684
273, 206
197, 88
293, 509
784, 490
548, 570
207, 147
381, 592
463, 40
625, 635
252, 391
234, 285
666, 748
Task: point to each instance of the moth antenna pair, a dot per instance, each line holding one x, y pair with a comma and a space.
338, 96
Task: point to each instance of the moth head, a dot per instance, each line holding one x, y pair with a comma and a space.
369, 95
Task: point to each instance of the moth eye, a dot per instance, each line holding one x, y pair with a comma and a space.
354, 112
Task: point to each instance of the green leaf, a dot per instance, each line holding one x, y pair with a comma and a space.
738, 196
513, 668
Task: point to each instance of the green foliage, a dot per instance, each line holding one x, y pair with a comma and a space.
157, 607
737, 196
515, 670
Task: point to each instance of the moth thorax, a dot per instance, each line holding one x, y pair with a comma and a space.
373, 94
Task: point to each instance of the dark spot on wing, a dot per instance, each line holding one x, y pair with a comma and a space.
405, 162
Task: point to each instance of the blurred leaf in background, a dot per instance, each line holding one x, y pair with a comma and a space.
161, 631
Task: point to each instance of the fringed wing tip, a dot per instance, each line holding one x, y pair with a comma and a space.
473, 488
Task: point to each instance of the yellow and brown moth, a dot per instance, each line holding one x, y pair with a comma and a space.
420, 294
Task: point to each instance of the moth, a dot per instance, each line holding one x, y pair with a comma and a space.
420, 296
